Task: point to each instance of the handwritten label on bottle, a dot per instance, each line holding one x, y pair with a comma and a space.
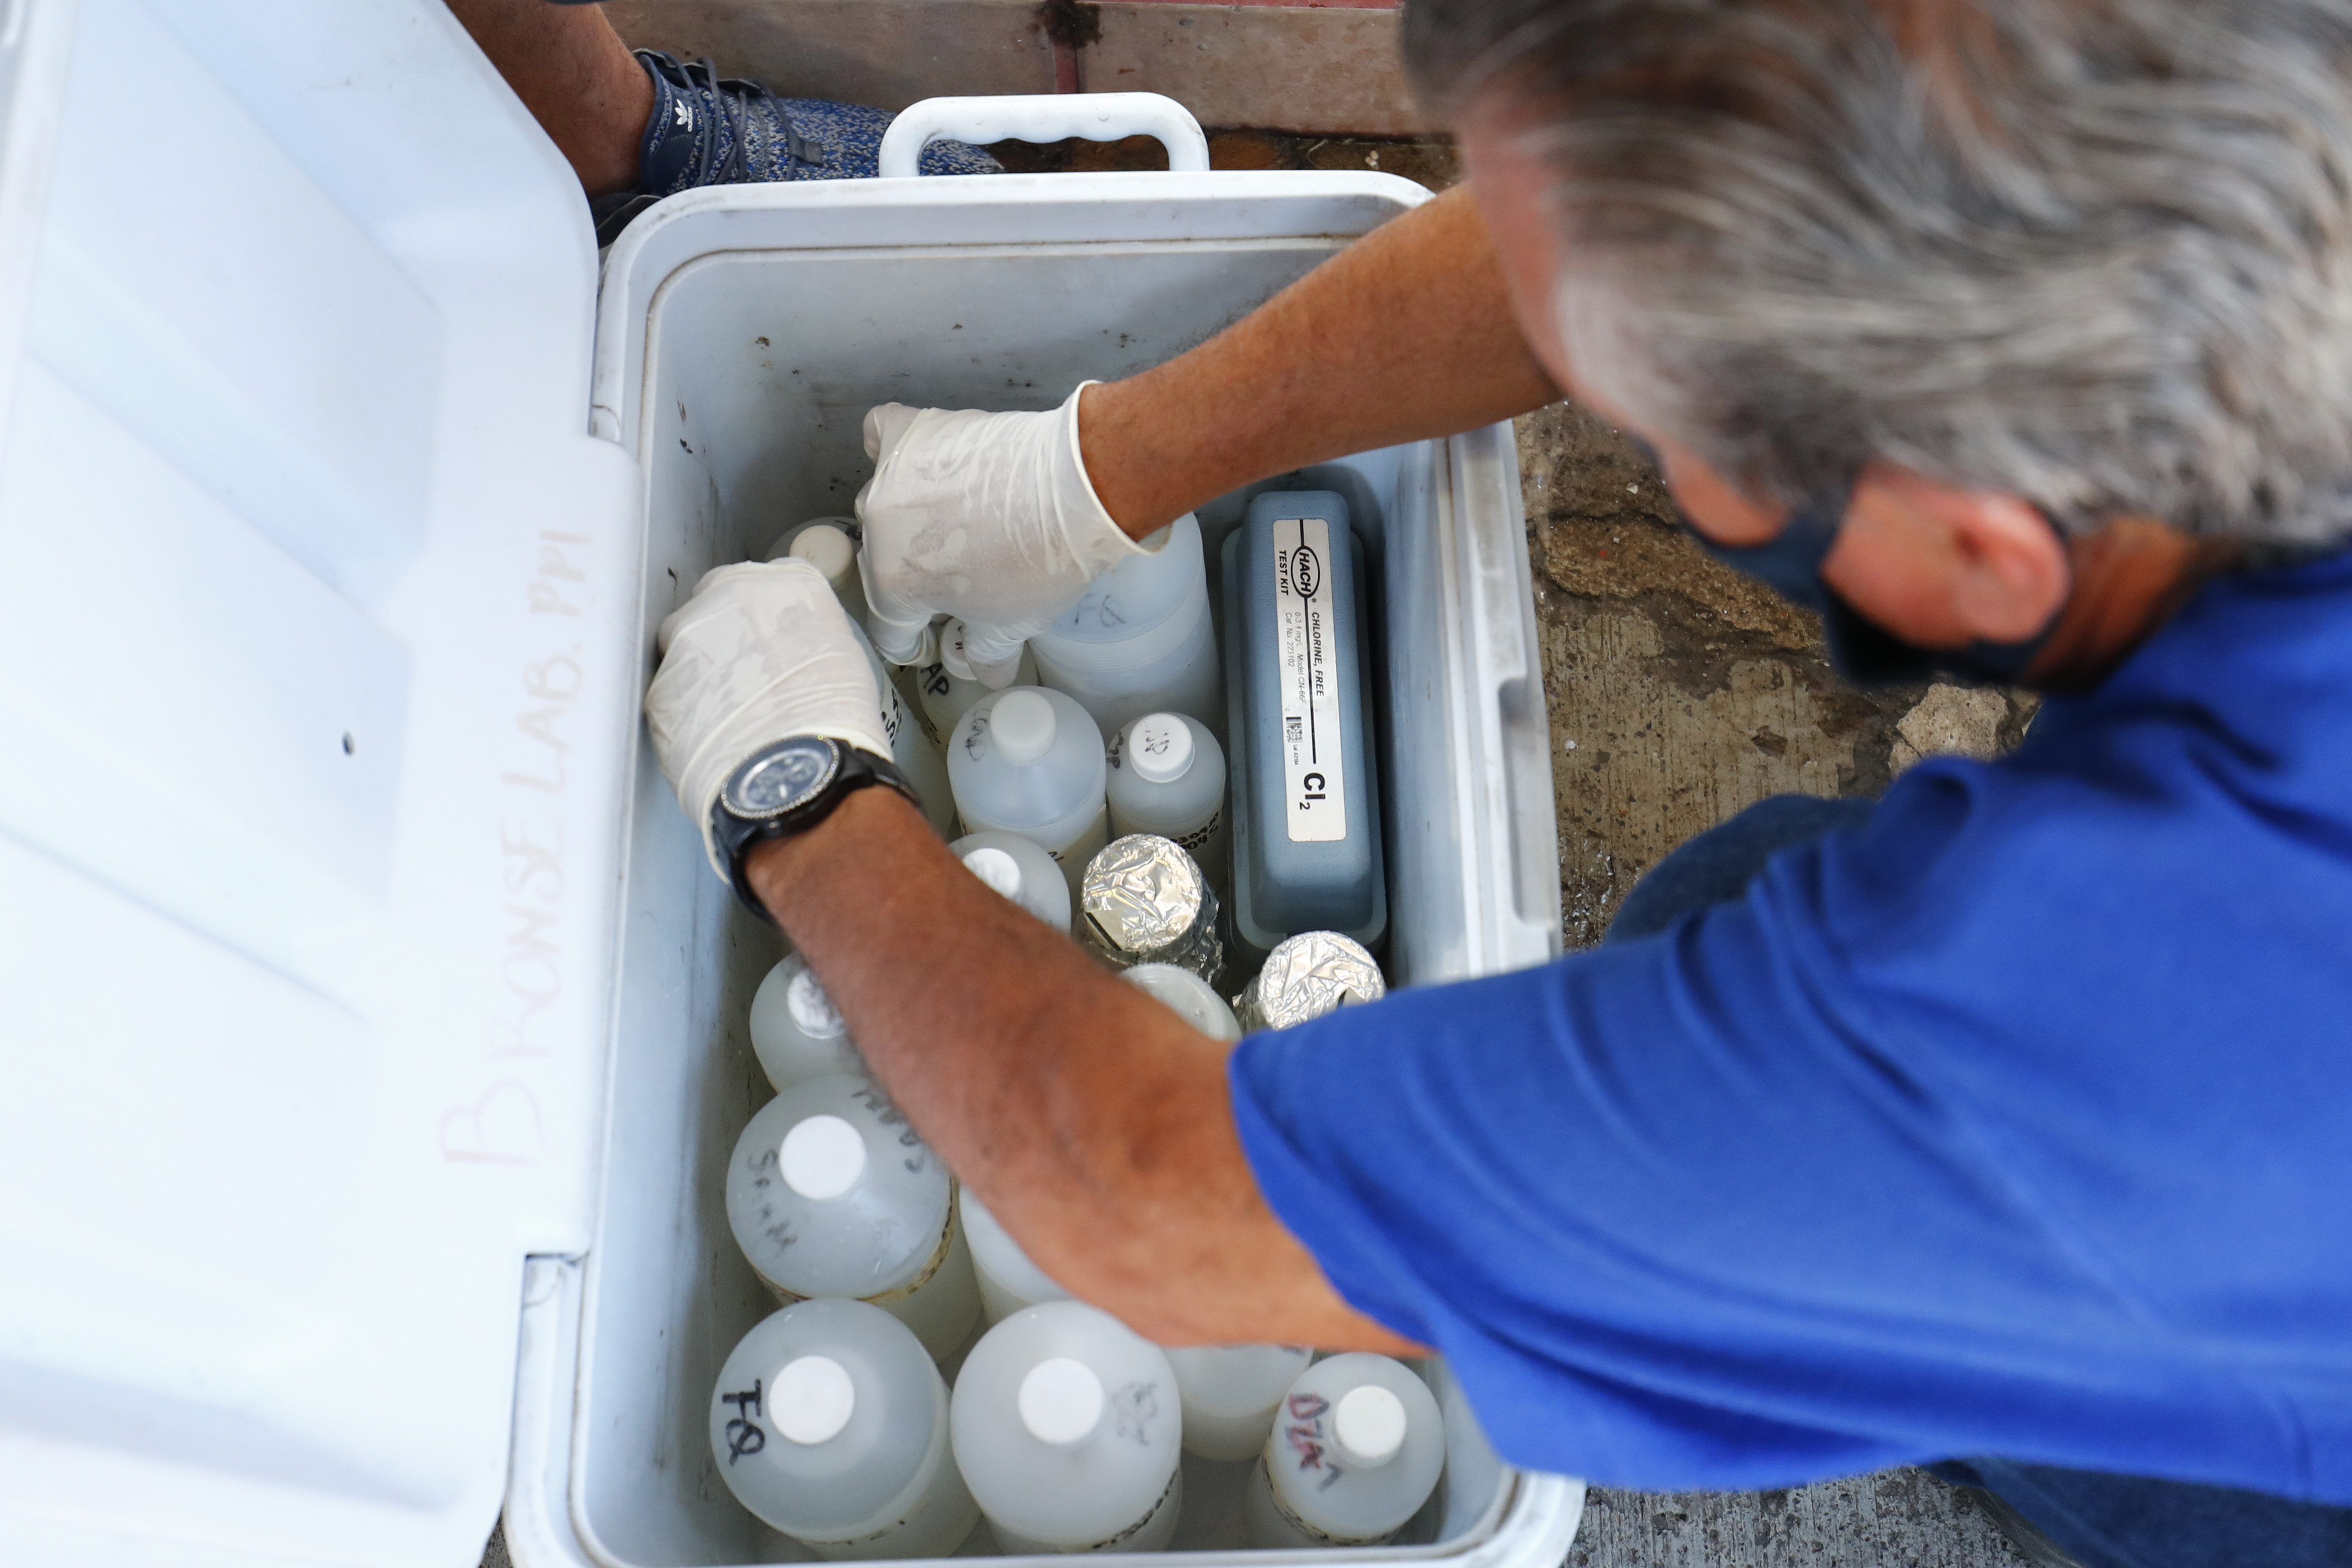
1315, 801
1309, 1442
745, 1434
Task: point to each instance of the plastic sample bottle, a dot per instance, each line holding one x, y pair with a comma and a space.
1066, 1426
1192, 998
1305, 977
849, 529
830, 545
1139, 638
1305, 806
949, 686
829, 1193
1144, 901
917, 757
1230, 1394
1030, 761
1008, 1280
1168, 777
1355, 1451
796, 1031
830, 1423
1019, 869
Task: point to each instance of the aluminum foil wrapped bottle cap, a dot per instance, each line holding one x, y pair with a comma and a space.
1306, 976
1144, 901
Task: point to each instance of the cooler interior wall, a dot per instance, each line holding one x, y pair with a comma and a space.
760, 367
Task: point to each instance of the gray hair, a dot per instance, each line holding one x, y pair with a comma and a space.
2096, 255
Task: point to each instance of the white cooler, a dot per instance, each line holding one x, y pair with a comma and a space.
373, 1030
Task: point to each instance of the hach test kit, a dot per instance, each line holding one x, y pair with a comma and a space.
1306, 834
457, 1054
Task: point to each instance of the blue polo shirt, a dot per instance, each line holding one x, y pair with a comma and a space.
2016, 1122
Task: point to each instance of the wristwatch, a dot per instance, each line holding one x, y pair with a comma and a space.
786, 789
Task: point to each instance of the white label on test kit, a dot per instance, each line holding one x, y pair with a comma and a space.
1313, 783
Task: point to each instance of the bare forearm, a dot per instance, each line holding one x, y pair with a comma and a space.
1406, 334
575, 75
1089, 1118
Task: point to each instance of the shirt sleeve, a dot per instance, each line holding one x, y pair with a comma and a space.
1713, 1209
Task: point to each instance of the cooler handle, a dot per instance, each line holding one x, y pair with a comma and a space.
1044, 117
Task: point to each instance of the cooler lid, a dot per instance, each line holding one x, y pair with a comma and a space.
317, 678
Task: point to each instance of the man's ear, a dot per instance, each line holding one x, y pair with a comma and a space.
2002, 570
2013, 569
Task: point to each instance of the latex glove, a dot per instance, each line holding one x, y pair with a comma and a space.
762, 652
987, 517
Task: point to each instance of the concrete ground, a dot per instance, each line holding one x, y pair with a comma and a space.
1679, 693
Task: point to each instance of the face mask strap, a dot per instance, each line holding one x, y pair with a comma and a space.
1868, 655
1789, 563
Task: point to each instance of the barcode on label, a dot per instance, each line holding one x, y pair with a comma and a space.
1314, 778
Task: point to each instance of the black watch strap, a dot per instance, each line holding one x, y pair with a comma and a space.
787, 788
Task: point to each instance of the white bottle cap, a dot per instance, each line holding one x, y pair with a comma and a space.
828, 550
952, 653
1022, 726
822, 1157
812, 1400
1061, 1401
1369, 1423
996, 868
1160, 748
810, 1008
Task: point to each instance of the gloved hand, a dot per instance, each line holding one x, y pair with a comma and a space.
988, 517
762, 652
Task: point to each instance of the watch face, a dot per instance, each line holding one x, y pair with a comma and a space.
787, 775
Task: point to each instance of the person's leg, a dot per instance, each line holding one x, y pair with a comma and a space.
2131, 1521
1718, 863
639, 124
575, 75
